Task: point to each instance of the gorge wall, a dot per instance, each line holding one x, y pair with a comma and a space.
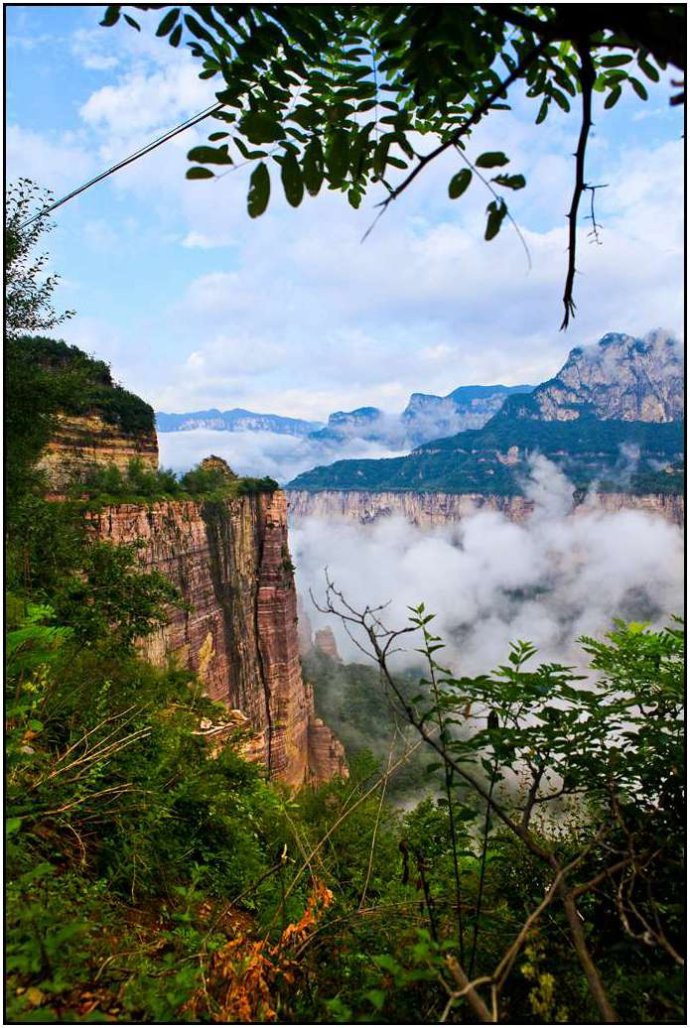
238, 629
429, 510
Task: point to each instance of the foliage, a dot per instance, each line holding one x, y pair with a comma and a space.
83, 385
349, 96
587, 450
348, 697
28, 290
107, 483
580, 782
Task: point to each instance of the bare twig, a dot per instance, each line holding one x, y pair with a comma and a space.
587, 78
485, 182
374, 833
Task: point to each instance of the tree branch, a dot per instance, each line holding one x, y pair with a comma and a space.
463, 129
587, 77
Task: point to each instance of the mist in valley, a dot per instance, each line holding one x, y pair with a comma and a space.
490, 581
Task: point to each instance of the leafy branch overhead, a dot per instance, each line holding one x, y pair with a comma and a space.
349, 96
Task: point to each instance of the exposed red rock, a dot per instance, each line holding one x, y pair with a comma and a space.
231, 562
324, 641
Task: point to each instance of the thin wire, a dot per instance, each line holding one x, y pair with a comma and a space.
127, 160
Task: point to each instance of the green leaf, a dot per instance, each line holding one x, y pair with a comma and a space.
615, 60
377, 997
387, 963
613, 97
291, 178
195, 173
543, 111
459, 183
338, 156
312, 167
491, 159
510, 181
168, 22
175, 36
111, 16
639, 88
210, 154
260, 127
215, 136
649, 69
497, 211
561, 100
12, 825
198, 30
259, 191
132, 22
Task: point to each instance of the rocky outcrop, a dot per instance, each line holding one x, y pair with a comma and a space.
429, 510
620, 377
324, 642
428, 417
238, 628
86, 440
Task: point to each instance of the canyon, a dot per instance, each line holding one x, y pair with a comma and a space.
431, 510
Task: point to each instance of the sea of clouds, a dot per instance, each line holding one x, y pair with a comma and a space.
491, 581
265, 453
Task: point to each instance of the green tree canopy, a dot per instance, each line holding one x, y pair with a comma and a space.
346, 96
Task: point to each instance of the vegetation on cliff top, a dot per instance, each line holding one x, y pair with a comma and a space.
588, 451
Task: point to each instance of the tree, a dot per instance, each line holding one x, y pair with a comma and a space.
32, 398
583, 776
28, 293
355, 95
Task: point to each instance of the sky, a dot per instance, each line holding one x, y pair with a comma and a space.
197, 306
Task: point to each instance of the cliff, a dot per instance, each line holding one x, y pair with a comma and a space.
82, 441
620, 377
238, 632
430, 510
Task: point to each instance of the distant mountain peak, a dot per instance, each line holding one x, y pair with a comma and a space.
620, 377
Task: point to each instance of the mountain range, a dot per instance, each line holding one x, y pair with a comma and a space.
426, 417
612, 416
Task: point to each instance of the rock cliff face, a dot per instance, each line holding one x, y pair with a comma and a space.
620, 377
82, 441
238, 632
429, 510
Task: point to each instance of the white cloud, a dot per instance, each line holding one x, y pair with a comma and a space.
143, 102
295, 309
491, 581
206, 242
93, 48
57, 161
259, 453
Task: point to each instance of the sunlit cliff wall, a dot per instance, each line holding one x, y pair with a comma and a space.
429, 510
238, 630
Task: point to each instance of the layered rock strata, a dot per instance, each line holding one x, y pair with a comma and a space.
80, 442
238, 628
429, 510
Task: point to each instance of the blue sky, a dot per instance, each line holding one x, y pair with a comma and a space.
197, 306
